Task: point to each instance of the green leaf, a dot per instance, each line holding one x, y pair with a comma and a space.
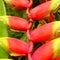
3, 30
2, 8
3, 53
3, 27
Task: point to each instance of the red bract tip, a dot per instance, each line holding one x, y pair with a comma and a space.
18, 46
17, 23
48, 51
20, 4
44, 52
41, 33
40, 11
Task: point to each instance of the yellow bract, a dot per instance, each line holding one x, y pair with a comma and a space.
55, 29
8, 1
56, 46
4, 43
5, 19
54, 5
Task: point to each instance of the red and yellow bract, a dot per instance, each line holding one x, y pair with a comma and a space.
20, 4
14, 45
16, 23
43, 10
48, 51
45, 32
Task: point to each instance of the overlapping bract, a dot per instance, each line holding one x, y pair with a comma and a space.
43, 10
46, 32
48, 51
20, 4
14, 45
16, 23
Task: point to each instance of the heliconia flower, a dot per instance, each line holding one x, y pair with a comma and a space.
42, 10
18, 4
48, 51
45, 32
14, 45
16, 23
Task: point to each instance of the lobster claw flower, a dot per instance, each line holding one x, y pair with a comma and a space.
48, 51
19, 5
45, 32
14, 45
15, 23
43, 10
